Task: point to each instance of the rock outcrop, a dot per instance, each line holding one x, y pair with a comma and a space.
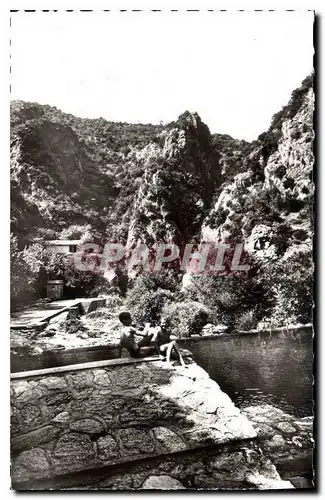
285, 439
175, 183
178, 185
275, 190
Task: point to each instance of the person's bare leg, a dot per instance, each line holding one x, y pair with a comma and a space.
169, 351
163, 349
178, 352
166, 350
145, 341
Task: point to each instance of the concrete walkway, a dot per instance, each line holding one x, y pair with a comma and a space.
39, 314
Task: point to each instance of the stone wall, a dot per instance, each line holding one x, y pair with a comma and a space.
286, 440
72, 426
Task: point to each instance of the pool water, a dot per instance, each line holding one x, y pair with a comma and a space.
262, 368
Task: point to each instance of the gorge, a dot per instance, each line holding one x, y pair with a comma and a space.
227, 421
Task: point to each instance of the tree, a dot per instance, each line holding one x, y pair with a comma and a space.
25, 271
289, 282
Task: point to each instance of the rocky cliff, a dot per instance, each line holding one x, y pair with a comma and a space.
274, 193
269, 203
109, 176
73, 177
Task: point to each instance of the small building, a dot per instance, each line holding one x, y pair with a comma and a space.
54, 289
62, 246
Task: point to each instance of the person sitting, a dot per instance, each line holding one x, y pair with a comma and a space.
127, 336
164, 342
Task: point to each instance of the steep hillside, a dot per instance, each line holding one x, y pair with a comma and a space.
178, 184
84, 172
269, 206
74, 177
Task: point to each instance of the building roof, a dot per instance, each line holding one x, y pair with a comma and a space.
62, 242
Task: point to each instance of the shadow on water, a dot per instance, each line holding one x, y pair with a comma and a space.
21, 361
260, 369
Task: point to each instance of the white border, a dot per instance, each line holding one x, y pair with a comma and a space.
230, 5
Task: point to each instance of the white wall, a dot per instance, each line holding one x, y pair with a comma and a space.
58, 249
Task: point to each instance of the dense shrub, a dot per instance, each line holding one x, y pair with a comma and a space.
229, 297
22, 278
185, 318
290, 287
280, 171
146, 299
26, 272
247, 321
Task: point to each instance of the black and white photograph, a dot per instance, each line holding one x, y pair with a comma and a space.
162, 208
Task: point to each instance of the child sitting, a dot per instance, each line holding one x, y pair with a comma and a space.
128, 333
164, 344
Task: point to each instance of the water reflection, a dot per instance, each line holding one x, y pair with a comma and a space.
261, 369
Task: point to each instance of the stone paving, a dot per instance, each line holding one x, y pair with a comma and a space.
89, 419
39, 314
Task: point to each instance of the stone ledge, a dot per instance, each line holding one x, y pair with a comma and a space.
117, 414
46, 314
236, 466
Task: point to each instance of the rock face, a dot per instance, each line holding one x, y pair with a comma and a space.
276, 187
178, 184
162, 483
286, 440
175, 183
85, 420
268, 206
48, 162
59, 161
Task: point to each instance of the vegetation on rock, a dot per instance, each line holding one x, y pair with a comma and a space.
95, 179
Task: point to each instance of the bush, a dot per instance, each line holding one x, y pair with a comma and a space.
26, 271
76, 231
224, 295
145, 299
103, 287
290, 286
20, 285
185, 318
113, 301
230, 296
246, 321
280, 172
